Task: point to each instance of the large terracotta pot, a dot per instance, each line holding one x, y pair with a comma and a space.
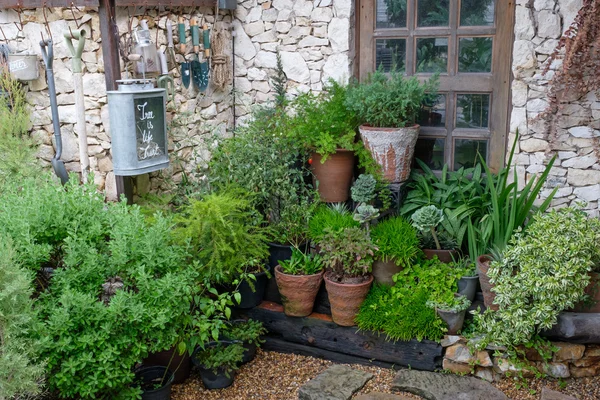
298, 292
445, 256
483, 265
334, 176
346, 299
592, 290
383, 271
392, 148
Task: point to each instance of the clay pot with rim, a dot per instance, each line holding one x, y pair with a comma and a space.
392, 148
592, 290
346, 299
333, 178
483, 265
298, 292
445, 256
383, 271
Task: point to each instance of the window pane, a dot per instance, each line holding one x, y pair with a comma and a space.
434, 114
391, 14
433, 13
432, 55
390, 53
475, 54
472, 110
466, 152
477, 12
431, 152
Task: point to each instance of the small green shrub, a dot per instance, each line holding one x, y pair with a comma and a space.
363, 189
302, 264
248, 331
347, 253
397, 240
426, 220
222, 356
334, 217
457, 304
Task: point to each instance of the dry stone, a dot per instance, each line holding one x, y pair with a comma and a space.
456, 367
548, 394
295, 67
338, 382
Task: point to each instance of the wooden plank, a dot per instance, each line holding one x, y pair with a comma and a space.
318, 330
281, 346
47, 3
166, 3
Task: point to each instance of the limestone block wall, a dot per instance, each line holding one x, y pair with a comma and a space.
576, 172
313, 37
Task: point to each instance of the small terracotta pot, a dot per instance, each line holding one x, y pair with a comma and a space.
334, 176
346, 299
298, 292
445, 256
392, 148
383, 271
592, 290
483, 265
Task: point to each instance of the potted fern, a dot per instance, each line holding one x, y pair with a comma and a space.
388, 107
348, 258
299, 280
218, 363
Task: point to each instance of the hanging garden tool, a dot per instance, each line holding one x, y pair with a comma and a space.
220, 63
165, 80
205, 66
79, 36
185, 66
57, 164
196, 67
172, 62
149, 65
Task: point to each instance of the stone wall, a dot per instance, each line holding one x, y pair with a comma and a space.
314, 39
569, 360
576, 172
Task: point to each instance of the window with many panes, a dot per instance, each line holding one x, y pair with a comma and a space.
468, 42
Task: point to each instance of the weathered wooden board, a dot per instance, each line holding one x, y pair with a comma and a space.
47, 3
319, 331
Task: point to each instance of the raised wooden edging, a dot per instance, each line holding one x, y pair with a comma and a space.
318, 332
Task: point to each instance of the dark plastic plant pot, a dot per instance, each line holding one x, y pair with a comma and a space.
211, 380
454, 320
150, 377
180, 364
252, 298
250, 348
467, 286
445, 256
278, 252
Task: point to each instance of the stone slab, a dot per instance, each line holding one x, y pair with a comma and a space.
549, 394
382, 396
437, 386
338, 382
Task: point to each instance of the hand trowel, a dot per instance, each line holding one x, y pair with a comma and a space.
185, 66
204, 66
196, 66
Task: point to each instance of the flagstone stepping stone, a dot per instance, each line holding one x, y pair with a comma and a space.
381, 396
549, 394
438, 386
338, 382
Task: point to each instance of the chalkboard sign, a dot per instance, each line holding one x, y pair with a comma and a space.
150, 127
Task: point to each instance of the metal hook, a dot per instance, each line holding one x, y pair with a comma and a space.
46, 23
73, 14
5, 39
20, 24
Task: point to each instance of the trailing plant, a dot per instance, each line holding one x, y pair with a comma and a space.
396, 240
390, 101
543, 271
248, 331
302, 264
456, 305
222, 357
335, 217
347, 253
427, 219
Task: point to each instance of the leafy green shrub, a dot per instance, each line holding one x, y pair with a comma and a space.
302, 264
335, 218
390, 101
363, 189
457, 304
248, 331
347, 253
396, 240
222, 356
21, 372
542, 272
426, 220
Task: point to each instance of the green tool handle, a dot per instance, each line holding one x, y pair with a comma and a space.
195, 35
206, 34
181, 28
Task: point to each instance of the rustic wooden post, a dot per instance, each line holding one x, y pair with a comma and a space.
112, 72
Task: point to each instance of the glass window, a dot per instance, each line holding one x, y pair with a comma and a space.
467, 151
472, 110
432, 55
391, 14
433, 13
434, 113
431, 152
477, 12
390, 53
475, 54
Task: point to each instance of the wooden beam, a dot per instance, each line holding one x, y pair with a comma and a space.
166, 3
47, 3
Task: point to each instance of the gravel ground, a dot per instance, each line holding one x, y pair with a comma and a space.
278, 376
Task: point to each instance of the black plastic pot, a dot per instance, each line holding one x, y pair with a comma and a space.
155, 382
467, 286
211, 380
250, 348
180, 364
252, 298
278, 252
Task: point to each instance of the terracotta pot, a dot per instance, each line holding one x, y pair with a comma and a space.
483, 265
179, 364
383, 271
278, 252
334, 176
445, 256
346, 299
298, 292
392, 148
592, 290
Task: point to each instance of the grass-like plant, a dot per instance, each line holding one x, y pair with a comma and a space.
396, 239
334, 217
302, 264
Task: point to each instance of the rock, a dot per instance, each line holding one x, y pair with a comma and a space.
548, 394
556, 370
254, 28
243, 45
342, 8
582, 372
548, 24
110, 187
265, 59
303, 8
524, 27
432, 385
321, 15
583, 177
283, 26
255, 74
588, 193
338, 33
94, 85
105, 164
283, 4
449, 340
568, 10
270, 15
523, 56
486, 374
254, 14
310, 41
459, 353
336, 68
337, 382
582, 132
568, 351
265, 37
295, 67
210, 111
533, 145
455, 367
261, 86
519, 93
381, 396
544, 5
583, 162
537, 105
